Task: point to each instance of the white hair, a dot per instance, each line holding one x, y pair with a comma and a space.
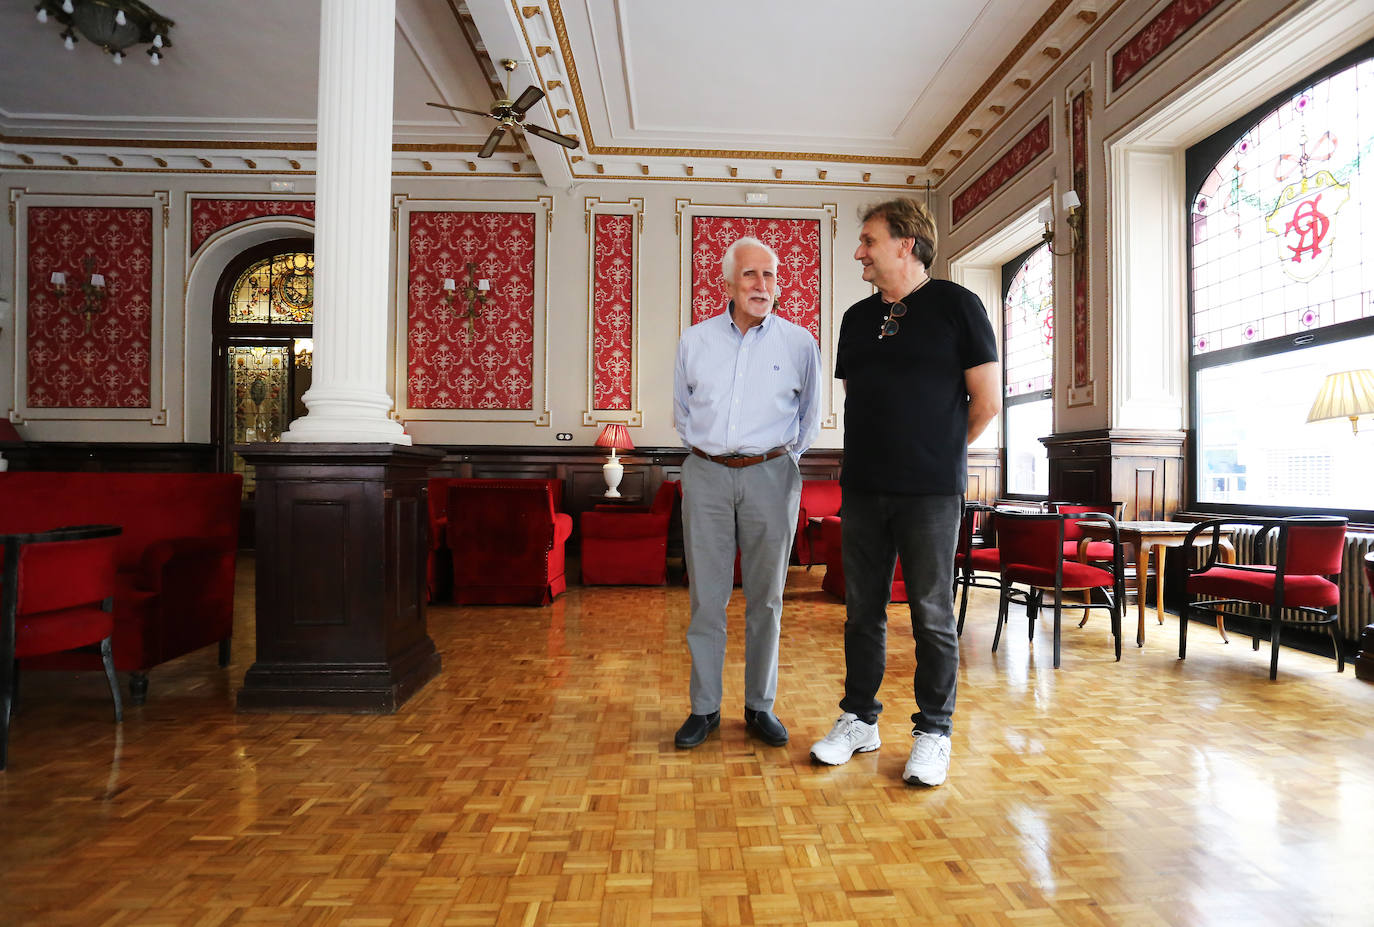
727, 261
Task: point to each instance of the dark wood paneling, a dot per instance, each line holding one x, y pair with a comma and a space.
1143, 469
130, 457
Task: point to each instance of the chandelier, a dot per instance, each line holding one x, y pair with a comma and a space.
113, 25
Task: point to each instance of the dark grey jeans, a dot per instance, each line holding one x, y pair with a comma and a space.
923, 531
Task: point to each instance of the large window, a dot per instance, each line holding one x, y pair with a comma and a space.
1028, 370
1282, 294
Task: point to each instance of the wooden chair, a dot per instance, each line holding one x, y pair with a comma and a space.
1032, 554
56, 594
1302, 581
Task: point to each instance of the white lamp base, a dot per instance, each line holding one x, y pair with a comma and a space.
612, 471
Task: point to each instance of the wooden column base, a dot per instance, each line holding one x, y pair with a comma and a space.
1364, 663
340, 577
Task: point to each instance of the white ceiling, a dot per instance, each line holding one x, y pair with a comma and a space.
877, 92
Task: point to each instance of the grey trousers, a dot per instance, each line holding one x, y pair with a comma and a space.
754, 509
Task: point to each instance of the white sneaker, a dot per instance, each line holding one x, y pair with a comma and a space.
847, 737
929, 761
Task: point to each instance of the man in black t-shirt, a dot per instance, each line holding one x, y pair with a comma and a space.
918, 360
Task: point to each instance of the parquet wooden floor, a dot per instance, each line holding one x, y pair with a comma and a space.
535, 783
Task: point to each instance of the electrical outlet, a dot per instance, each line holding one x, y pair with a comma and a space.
283, 186
564, 436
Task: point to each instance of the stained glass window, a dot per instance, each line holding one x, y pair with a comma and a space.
278, 289
1282, 221
1028, 370
1028, 318
1282, 295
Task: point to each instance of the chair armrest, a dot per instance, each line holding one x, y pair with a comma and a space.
562, 527
169, 552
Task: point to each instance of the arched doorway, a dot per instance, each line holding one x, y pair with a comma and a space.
264, 308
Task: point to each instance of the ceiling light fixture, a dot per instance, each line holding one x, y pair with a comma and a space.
112, 25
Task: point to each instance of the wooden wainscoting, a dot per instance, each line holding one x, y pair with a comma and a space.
1144, 469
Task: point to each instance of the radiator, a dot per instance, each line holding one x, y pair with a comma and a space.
1357, 608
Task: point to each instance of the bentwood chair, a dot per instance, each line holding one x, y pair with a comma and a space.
56, 594
1031, 546
1299, 588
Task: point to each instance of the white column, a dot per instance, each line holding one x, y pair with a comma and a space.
348, 400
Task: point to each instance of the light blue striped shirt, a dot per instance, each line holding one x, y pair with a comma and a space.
747, 393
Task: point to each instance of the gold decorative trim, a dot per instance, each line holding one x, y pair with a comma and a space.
223, 144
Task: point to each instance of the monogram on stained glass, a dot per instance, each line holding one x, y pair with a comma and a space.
1282, 221
278, 289
1028, 319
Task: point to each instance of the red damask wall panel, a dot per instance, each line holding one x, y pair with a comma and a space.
106, 364
613, 290
1027, 149
489, 365
209, 216
1157, 35
798, 244
1078, 143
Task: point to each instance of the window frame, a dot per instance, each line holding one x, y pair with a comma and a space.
1009, 271
1199, 161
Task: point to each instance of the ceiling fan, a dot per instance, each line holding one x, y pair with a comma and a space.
511, 114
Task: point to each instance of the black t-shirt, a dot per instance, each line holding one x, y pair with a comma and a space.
906, 405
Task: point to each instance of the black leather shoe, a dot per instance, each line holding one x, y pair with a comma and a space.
694, 730
765, 726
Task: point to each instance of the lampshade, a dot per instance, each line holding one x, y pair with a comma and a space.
1348, 394
8, 432
615, 435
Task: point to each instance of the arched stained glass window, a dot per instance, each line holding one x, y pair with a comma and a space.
1281, 221
1028, 369
278, 289
1028, 339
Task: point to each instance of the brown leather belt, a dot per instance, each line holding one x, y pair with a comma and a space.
739, 460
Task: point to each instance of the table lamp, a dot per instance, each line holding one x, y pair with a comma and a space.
615, 436
1348, 394
8, 434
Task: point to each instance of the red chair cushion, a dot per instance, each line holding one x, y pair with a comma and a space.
66, 629
1076, 575
987, 559
1257, 585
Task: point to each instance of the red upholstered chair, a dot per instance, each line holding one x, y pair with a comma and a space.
629, 545
56, 594
833, 580
976, 553
1299, 588
438, 565
1097, 551
819, 498
1031, 546
506, 540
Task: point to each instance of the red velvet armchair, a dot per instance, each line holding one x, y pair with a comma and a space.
833, 581
628, 545
506, 540
56, 592
819, 498
439, 563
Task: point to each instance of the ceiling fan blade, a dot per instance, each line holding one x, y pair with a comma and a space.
460, 109
531, 96
492, 141
551, 136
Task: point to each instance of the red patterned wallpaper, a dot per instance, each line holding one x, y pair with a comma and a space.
798, 244
1079, 151
612, 312
1158, 34
209, 216
1031, 145
491, 366
108, 366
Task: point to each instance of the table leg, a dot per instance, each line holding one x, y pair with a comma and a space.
1142, 576
1159, 581
1228, 555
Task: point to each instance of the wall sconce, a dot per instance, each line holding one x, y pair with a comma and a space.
93, 292
614, 435
473, 296
1348, 394
1072, 217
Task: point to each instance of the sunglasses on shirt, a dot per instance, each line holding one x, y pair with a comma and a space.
890, 325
